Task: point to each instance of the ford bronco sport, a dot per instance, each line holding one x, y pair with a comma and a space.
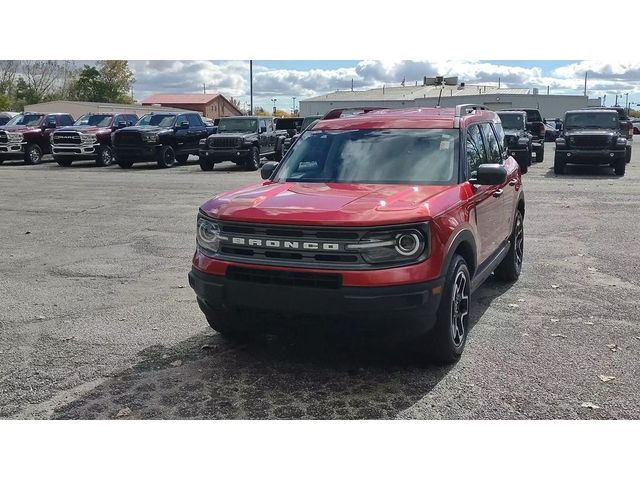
89, 138
382, 223
591, 137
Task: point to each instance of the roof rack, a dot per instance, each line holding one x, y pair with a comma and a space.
465, 109
337, 113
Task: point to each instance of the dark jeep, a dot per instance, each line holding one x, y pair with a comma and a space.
27, 135
291, 125
625, 126
517, 138
591, 137
163, 137
89, 138
535, 126
242, 140
307, 123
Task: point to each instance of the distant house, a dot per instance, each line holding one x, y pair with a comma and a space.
211, 105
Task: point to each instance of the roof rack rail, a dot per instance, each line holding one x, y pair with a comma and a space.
465, 109
337, 113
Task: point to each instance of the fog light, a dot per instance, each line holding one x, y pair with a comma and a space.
568, 154
237, 154
611, 154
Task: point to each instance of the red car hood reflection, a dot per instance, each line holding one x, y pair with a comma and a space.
329, 203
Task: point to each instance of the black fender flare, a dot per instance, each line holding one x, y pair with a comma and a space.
462, 236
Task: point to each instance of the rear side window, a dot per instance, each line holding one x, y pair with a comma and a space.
180, 119
132, 119
533, 116
194, 120
475, 151
64, 120
495, 154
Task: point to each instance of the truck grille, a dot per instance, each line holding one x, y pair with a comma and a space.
590, 141
128, 138
224, 142
3, 137
285, 278
66, 138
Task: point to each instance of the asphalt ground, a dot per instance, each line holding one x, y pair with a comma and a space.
97, 319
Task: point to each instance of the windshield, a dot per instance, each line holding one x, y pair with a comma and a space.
4, 120
29, 120
591, 120
237, 125
157, 120
95, 120
512, 121
373, 156
533, 116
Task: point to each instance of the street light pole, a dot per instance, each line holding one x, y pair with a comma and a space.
274, 100
293, 109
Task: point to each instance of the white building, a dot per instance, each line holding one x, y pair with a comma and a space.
77, 109
495, 98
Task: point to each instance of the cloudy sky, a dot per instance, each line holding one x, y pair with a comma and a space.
302, 79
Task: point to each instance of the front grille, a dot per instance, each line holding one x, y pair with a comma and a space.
285, 278
224, 142
3, 137
66, 138
511, 139
128, 138
590, 141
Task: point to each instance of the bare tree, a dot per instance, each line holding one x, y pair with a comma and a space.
43, 76
8, 70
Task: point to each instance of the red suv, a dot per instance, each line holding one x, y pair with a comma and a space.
382, 223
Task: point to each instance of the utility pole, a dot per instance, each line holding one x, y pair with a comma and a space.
627, 102
251, 84
585, 83
204, 88
293, 108
616, 104
498, 83
547, 89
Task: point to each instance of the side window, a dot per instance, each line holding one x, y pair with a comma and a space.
495, 154
500, 134
117, 119
65, 120
181, 118
51, 118
132, 119
262, 124
475, 151
194, 120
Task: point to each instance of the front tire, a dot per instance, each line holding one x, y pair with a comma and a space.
558, 166
228, 323
628, 155
510, 267
105, 158
167, 157
64, 162
540, 154
206, 164
182, 159
619, 167
253, 163
33, 154
125, 163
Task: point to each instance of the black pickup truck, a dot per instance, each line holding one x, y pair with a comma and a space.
163, 137
517, 139
535, 126
591, 137
242, 140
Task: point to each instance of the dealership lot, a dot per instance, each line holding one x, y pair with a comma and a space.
97, 319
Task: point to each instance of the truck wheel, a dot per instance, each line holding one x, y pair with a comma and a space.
510, 267
524, 167
32, 154
167, 157
449, 335
228, 323
540, 154
277, 155
628, 155
125, 163
253, 163
182, 159
558, 166
206, 164
105, 157
64, 162
619, 167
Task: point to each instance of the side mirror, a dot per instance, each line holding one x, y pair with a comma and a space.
490, 174
267, 170
263, 129
183, 125
51, 124
121, 124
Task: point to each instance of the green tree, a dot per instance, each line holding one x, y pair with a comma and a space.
117, 78
4, 102
89, 86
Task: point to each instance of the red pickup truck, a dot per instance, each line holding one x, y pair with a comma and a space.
383, 223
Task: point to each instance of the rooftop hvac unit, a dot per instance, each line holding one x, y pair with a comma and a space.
535, 91
429, 81
451, 80
439, 80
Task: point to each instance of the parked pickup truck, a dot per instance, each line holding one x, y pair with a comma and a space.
591, 137
89, 138
517, 138
380, 225
164, 138
535, 126
27, 135
242, 140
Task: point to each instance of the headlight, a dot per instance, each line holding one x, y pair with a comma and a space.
560, 141
621, 141
150, 137
14, 137
208, 235
88, 138
391, 246
203, 142
523, 141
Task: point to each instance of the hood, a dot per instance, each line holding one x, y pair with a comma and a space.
235, 134
83, 129
331, 203
144, 128
512, 132
19, 128
591, 131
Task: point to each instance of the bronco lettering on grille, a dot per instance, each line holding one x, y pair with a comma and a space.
287, 244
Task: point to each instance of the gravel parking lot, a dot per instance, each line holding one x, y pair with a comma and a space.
97, 319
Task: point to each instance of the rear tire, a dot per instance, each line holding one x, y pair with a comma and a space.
206, 164
182, 159
619, 167
33, 154
628, 155
558, 166
510, 267
540, 154
167, 157
125, 163
105, 157
64, 162
253, 163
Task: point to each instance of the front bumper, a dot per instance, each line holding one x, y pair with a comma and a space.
590, 157
230, 155
12, 148
85, 151
137, 153
391, 311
